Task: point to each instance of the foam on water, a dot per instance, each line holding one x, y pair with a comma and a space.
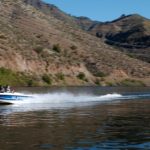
61, 98
65, 100
57, 101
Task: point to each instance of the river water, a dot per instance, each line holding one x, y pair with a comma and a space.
77, 118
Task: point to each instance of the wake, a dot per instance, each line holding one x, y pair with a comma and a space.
51, 101
64, 100
61, 98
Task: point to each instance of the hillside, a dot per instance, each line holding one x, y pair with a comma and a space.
41, 45
130, 34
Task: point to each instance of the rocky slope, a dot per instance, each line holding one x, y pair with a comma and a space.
130, 34
40, 45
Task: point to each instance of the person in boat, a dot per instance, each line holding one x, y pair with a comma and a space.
2, 90
7, 89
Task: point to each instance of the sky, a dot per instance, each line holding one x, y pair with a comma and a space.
103, 10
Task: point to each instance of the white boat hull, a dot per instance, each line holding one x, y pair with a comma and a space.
10, 98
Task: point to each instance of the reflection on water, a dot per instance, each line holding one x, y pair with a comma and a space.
120, 121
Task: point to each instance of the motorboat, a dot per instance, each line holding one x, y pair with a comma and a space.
10, 97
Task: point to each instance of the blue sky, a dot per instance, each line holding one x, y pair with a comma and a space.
103, 10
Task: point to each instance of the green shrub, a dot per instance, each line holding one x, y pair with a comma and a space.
97, 82
56, 48
30, 82
60, 76
38, 49
73, 47
100, 74
46, 79
2, 36
131, 82
109, 84
4, 71
9, 77
131, 55
81, 76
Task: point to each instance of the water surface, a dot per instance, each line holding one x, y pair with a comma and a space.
77, 118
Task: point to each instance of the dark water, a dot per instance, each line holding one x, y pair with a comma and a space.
89, 118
